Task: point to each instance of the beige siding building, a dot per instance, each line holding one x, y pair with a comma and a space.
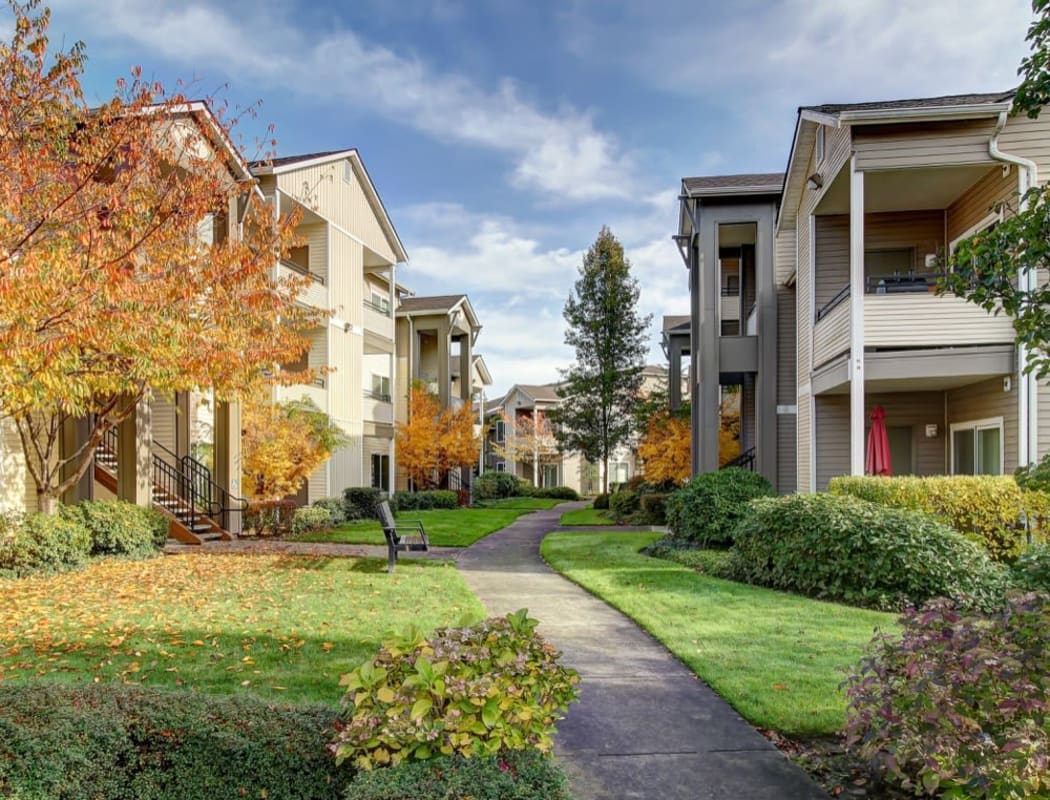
874, 197
351, 251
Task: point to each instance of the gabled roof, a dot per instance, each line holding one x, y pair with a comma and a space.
439, 304
281, 164
676, 323
945, 101
750, 183
483, 369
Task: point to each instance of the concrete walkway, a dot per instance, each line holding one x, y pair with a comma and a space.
645, 727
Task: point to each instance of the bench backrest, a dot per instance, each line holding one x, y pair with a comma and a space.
386, 516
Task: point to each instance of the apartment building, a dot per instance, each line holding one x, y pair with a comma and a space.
351, 252
843, 253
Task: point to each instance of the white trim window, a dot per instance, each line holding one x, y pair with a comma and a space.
988, 222
819, 147
501, 466
501, 431
978, 447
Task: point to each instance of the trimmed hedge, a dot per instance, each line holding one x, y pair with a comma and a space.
705, 511
496, 485
623, 505
984, 508
119, 528
310, 518
41, 543
552, 492
361, 502
515, 775
838, 547
957, 706
336, 508
111, 742
425, 501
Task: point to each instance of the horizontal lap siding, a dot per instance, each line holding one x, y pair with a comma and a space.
980, 200
909, 320
17, 490
1029, 138
832, 334
923, 145
983, 401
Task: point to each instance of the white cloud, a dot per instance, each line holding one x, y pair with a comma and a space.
558, 153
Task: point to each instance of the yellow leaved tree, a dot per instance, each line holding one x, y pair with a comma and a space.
434, 440
665, 449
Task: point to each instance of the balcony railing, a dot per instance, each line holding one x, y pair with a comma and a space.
302, 271
377, 396
841, 295
376, 307
902, 282
730, 291
318, 381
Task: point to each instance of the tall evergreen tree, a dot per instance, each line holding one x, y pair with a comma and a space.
601, 389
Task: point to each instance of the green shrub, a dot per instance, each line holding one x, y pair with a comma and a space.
336, 508
361, 502
309, 518
1032, 569
706, 510
482, 690
707, 562
111, 742
623, 505
838, 547
984, 508
959, 704
496, 485
553, 492
268, 517
41, 543
653, 508
601, 502
119, 528
425, 501
517, 775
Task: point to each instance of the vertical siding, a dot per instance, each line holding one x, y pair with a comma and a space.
787, 477
163, 422
316, 239
323, 189
17, 490
984, 400
346, 384
832, 425
1043, 406
803, 356
980, 200
787, 394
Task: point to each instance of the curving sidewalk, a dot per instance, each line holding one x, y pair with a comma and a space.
645, 726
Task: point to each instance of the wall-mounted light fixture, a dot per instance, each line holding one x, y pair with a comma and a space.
814, 181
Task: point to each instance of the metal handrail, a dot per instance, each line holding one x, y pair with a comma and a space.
379, 309
730, 291
841, 295
302, 271
745, 460
902, 282
374, 395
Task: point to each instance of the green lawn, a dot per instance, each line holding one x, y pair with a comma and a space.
445, 527
277, 626
526, 503
777, 658
586, 516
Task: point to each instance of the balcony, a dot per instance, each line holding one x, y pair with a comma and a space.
730, 307
378, 320
315, 391
314, 294
378, 408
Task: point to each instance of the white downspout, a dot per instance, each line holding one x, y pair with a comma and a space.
1028, 386
481, 427
392, 292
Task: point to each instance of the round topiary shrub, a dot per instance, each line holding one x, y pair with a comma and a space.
705, 511
42, 543
601, 502
118, 528
838, 547
496, 485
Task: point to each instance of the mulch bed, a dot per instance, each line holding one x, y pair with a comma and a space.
838, 772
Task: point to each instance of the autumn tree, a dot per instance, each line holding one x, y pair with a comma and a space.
664, 449
527, 440
434, 440
283, 444
112, 284
601, 389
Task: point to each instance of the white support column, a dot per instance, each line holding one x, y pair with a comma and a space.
535, 449
392, 478
856, 310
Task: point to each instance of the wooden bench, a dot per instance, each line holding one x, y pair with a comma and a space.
401, 535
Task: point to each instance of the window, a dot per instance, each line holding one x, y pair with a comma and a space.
901, 439
619, 472
381, 388
381, 472
381, 303
551, 475
977, 447
820, 145
985, 224
501, 430
501, 466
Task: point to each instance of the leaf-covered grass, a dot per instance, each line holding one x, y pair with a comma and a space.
276, 626
445, 527
587, 516
777, 658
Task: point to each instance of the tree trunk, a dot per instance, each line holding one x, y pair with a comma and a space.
47, 503
605, 473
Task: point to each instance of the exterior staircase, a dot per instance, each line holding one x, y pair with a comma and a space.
182, 489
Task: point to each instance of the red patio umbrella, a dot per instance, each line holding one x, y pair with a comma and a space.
878, 461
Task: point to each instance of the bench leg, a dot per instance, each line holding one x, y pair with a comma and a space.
391, 558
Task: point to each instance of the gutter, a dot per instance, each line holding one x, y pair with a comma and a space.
1027, 405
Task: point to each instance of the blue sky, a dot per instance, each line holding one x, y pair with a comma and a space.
502, 135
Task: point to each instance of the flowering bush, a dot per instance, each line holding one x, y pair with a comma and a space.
492, 687
960, 704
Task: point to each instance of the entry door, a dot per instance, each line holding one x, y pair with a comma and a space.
900, 438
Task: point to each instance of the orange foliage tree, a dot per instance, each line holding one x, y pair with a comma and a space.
527, 441
282, 445
435, 440
665, 448
110, 287
729, 428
